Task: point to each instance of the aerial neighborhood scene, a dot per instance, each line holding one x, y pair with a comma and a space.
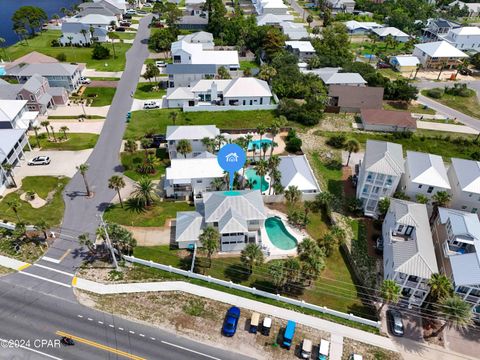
240, 179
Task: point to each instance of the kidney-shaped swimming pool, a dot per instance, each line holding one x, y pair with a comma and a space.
279, 235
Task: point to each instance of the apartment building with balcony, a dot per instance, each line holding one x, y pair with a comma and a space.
194, 134
438, 54
456, 235
408, 253
380, 173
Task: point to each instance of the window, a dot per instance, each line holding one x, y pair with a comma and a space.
199, 181
420, 186
430, 189
474, 210
464, 207
20, 97
400, 228
32, 97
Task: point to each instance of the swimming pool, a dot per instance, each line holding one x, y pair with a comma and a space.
279, 235
251, 174
2, 70
258, 144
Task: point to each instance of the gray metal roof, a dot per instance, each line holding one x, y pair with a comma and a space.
232, 222
172, 69
384, 158
427, 169
342, 78
9, 91
191, 132
468, 174
188, 226
297, 172
45, 69
34, 83
415, 256
247, 204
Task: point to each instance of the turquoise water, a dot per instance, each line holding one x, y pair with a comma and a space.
232, 193
250, 174
258, 144
278, 234
2, 70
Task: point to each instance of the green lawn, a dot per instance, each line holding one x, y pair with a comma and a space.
52, 212
440, 143
75, 141
248, 65
131, 161
100, 96
131, 215
144, 91
42, 43
381, 47
125, 36
467, 105
74, 117
156, 121
329, 174
391, 74
402, 106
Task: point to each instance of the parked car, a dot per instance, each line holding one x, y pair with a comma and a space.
383, 65
84, 80
323, 350
395, 322
147, 5
127, 16
288, 334
131, 12
254, 323
125, 24
466, 71
379, 244
157, 140
266, 326
40, 160
231, 321
160, 63
151, 105
306, 349
120, 29
67, 341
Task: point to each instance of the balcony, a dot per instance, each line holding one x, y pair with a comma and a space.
451, 249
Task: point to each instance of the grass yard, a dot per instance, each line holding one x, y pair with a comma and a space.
248, 65
100, 96
156, 121
52, 212
75, 141
124, 36
132, 215
131, 161
391, 74
42, 44
330, 175
467, 105
445, 144
402, 106
145, 91
381, 47
75, 117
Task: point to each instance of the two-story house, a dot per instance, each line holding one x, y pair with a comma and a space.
425, 174
436, 28
380, 173
464, 38
341, 6
303, 49
472, 8
438, 54
456, 236
275, 7
200, 37
114, 8
408, 251
184, 52
194, 134
12, 143
464, 176
82, 30
14, 114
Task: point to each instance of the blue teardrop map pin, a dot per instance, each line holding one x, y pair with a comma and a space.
231, 158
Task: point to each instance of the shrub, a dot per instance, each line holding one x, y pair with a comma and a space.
292, 133
435, 93
55, 43
100, 52
294, 145
337, 141
61, 57
459, 90
475, 155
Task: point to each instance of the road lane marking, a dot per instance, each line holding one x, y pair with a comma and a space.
65, 255
52, 269
120, 329
190, 350
100, 346
80, 316
35, 351
100, 322
45, 279
74, 281
141, 335
48, 258
152, 338
23, 267
112, 326
132, 332
89, 319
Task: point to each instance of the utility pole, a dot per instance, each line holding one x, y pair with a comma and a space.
109, 244
194, 255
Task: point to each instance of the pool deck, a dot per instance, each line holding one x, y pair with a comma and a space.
278, 150
276, 253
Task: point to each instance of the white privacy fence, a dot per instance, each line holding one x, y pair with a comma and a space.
232, 285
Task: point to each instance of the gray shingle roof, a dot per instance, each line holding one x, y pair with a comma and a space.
45, 69
9, 91
191, 132
384, 158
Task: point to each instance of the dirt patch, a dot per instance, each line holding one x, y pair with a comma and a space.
5, 271
201, 319
430, 328
369, 352
348, 189
35, 202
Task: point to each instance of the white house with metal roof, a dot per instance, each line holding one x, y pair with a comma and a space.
456, 236
184, 52
303, 49
296, 171
276, 7
356, 27
397, 34
380, 173
294, 31
473, 8
272, 19
188, 227
338, 78
404, 63
12, 143
438, 54
425, 174
194, 134
77, 30
200, 37
14, 114
192, 176
464, 38
464, 176
408, 251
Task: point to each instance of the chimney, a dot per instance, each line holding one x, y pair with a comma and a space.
214, 91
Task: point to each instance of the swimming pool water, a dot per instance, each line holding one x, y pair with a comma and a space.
258, 144
2, 70
279, 235
251, 174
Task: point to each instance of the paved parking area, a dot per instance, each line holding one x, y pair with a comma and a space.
463, 341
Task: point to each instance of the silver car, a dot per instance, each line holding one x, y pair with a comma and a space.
40, 160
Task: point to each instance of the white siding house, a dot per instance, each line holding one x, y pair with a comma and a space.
464, 176
464, 38
194, 134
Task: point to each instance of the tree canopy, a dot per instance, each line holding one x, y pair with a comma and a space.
29, 18
334, 47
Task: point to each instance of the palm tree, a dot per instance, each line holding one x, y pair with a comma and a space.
8, 168
42, 226
261, 131
421, 198
277, 274
219, 140
440, 199
149, 165
217, 183
53, 134
208, 143
184, 147
248, 140
265, 147
91, 29
261, 168
35, 129
292, 195
64, 11
383, 206
83, 168
14, 205
145, 192
292, 268
2, 42
146, 143
351, 145
390, 293
113, 36
457, 313
173, 116
440, 287
417, 68
273, 163
84, 239
117, 183
210, 240
64, 130
251, 256
84, 33
45, 124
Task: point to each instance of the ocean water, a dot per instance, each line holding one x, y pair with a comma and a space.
8, 7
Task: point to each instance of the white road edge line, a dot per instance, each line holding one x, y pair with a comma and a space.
141, 335
45, 279
112, 326
190, 350
80, 316
47, 258
36, 351
100, 322
52, 269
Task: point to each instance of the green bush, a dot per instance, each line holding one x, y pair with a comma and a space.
337, 141
61, 57
435, 93
294, 145
55, 43
459, 90
100, 52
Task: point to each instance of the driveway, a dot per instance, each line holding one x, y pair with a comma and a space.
95, 73
462, 129
465, 342
76, 110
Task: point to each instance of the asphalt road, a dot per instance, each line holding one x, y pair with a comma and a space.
28, 316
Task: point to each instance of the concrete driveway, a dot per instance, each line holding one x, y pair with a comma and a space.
466, 342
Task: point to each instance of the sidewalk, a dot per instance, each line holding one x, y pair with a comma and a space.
12, 263
462, 129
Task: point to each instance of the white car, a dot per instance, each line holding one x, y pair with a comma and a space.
40, 160
131, 11
85, 81
151, 105
160, 63
147, 5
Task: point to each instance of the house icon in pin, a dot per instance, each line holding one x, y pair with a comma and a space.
232, 157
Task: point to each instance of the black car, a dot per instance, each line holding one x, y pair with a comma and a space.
120, 29
466, 71
157, 140
395, 322
67, 341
